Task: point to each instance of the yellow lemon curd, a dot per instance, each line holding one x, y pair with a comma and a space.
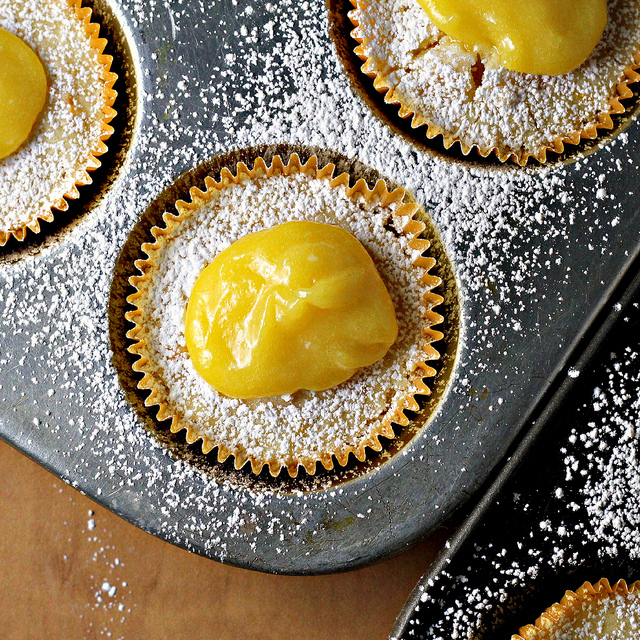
298, 306
23, 91
544, 37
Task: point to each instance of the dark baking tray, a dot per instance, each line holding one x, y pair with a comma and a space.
501, 552
492, 378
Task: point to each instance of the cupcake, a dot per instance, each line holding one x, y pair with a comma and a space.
65, 135
596, 612
306, 423
466, 95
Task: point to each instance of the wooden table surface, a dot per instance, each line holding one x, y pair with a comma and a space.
70, 569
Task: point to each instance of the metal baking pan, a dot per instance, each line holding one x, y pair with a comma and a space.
531, 537
528, 259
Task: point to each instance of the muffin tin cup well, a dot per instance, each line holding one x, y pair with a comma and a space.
334, 470
145, 313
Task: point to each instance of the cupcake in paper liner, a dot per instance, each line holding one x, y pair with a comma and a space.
469, 99
72, 126
597, 612
303, 428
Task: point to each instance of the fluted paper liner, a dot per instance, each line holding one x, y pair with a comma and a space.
91, 162
412, 229
376, 70
564, 612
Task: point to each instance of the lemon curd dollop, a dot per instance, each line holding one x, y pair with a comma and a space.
544, 37
23, 91
297, 306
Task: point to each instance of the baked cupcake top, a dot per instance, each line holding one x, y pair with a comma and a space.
73, 123
305, 427
471, 99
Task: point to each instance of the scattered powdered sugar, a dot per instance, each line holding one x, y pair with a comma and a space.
99, 570
606, 457
477, 101
308, 424
57, 154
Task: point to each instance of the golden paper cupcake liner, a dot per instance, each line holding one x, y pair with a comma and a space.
377, 71
91, 163
565, 612
422, 370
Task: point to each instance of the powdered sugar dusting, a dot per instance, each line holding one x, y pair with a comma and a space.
606, 456
590, 519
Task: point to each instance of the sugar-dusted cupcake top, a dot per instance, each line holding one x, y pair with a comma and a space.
470, 98
307, 426
593, 612
70, 130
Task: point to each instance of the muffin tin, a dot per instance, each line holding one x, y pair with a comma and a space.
527, 258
